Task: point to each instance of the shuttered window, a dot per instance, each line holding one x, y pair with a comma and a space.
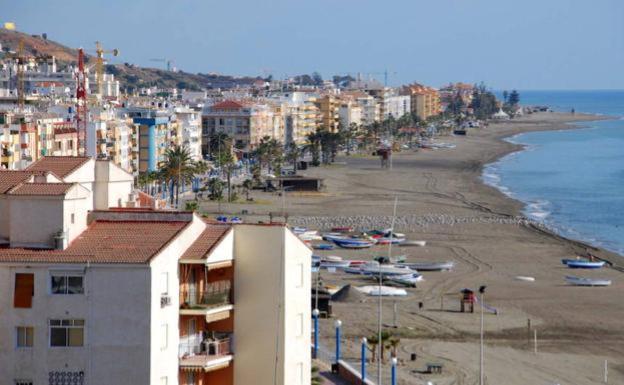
24, 290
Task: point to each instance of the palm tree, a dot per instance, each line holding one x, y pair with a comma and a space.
314, 146
393, 345
178, 168
218, 142
292, 154
216, 186
247, 186
225, 160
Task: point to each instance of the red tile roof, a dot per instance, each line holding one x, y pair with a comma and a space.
106, 242
59, 165
41, 189
207, 241
10, 179
228, 105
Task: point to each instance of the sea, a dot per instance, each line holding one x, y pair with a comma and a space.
572, 181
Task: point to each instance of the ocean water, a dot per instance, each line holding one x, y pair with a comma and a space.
571, 180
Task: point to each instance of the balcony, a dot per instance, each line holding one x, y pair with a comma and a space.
212, 301
205, 351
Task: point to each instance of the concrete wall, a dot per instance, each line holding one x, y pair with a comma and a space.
5, 222
35, 220
112, 185
115, 308
271, 307
77, 203
85, 175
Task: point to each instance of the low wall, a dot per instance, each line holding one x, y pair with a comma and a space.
352, 376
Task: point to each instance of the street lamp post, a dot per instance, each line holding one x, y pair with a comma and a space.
338, 325
393, 373
482, 292
363, 368
315, 316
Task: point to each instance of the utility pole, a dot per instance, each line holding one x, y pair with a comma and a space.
481, 374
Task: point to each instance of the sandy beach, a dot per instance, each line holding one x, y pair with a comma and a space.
441, 199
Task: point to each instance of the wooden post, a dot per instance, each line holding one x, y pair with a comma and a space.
606, 372
528, 332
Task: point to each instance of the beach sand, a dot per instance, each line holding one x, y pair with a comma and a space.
441, 199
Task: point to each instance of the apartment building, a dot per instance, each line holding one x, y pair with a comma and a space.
152, 135
350, 112
245, 122
425, 101
300, 116
136, 296
189, 121
329, 112
110, 134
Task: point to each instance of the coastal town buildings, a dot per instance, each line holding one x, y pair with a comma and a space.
300, 116
189, 121
350, 113
329, 112
97, 290
246, 123
425, 101
152, 132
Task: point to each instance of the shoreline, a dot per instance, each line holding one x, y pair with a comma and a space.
614, 259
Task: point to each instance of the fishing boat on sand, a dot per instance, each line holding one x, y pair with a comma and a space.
323, 246
385, 291
413, 243
585, 264
580, 281
430, 266
352, 243
334, 261
376, 269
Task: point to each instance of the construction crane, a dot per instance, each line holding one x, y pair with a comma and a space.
99, 65
81, 104
385, 74
168, 63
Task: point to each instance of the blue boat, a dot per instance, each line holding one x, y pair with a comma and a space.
565, 261
353, 243
323, 246
585, 264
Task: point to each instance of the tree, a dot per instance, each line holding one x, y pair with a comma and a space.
226, 162
293, 153
484, 103
247, 186
178, 168
314, 147
317, 79
514, 98
217, 142
216, 186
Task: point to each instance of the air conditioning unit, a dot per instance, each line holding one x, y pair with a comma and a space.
165, 300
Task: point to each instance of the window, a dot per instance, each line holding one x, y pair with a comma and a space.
189, 378
22, 382
24, 290
164, 335
163, 380
25, 336
66, 378
299, 276
299, 326
164, 281
66, 332
72, 218
67, 283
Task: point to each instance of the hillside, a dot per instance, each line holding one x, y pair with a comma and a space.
130, 76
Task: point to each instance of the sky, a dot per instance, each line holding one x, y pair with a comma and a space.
528, 44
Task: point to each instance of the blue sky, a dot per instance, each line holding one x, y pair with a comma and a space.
528, 44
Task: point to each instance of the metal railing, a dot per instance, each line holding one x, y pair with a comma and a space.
214, 294
197, 345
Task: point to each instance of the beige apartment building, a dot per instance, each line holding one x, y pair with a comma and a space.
329, 112
425, 101
246, 123
95, 290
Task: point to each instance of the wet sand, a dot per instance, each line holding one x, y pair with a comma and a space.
482, 231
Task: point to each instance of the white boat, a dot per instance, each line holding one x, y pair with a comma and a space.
386, 270
383, 291
413, 243
524, 278
310, 237
334, 261
579, 281
409, 280
580, 264
430, 266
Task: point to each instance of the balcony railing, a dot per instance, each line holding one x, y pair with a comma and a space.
201, 344
214, 294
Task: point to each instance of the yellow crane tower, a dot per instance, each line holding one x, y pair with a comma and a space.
99, 65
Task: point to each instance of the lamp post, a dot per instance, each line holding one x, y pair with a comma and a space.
338, 325
315, 316
482, 292
363, 368
393, 375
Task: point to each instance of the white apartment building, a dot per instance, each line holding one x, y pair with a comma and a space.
190, 126
137, 296
350, 113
